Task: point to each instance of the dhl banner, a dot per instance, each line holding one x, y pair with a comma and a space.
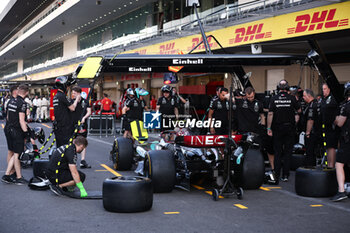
313, 21
50, 73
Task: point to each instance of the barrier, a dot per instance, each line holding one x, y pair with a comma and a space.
102, 124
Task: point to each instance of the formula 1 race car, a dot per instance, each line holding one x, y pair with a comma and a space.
181, 155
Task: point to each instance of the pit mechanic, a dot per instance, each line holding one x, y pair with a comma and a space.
63, 127
167, 106
343, 153
16, 134
310, 127
82, 111
62, 171
218, 110
329, 109
131, 111
281, 124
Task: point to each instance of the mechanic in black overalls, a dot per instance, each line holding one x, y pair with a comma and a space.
167, 106
343, 153
218, 110
310, 127
81, 113
63, 127
133, 111
281, 124
16, 132
62, 171
329, 109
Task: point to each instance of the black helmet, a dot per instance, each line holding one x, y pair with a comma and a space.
283, 85
166, 88
347, 89
39, 134
63, 82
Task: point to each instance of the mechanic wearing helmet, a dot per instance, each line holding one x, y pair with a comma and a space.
140, 93
310, 126
82, 112
281, 124
62, 171
343, 153
329, 109
16, 132
218, 110
167, 106
132, 110
62, 108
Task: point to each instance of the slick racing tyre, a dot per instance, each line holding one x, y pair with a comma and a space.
127, 194
315, 182
39, 167
160, 167
296, 161
122, 153
253, 171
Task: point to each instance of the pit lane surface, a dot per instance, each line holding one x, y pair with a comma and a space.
269, 209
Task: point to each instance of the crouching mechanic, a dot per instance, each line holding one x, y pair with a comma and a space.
62, 171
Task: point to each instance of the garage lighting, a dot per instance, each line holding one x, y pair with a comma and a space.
117, 83
124, 5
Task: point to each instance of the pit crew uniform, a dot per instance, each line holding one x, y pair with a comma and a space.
343, 153
13, 131
167, 109
64, 175
221, 110
329, 110
63, 129
135, 112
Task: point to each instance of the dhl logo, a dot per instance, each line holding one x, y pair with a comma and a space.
317, 21
252, 32
168, 49
197, 40
141, 52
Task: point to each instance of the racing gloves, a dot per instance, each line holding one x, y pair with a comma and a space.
83, 192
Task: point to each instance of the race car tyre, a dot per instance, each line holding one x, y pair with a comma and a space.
160, 167
253, 171
39, 167
296, 161
316, 182
122, 153
127, 194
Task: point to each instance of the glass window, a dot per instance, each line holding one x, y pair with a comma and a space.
9, 69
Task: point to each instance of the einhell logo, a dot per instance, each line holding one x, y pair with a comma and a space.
140, 69
187, 61
317, 21
252, 32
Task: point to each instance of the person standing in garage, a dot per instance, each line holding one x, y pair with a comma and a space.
218, 110
281, 125
343, 153
310, 126
329, 109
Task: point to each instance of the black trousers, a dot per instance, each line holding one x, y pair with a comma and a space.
310, 145
283, 141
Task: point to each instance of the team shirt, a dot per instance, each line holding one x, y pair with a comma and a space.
329, 110
14, 107
61, 110
310, 113
284, 108
247, 115
167, 105
70, 157
221, 108
345, 130
135, 109
78, 113
106, 104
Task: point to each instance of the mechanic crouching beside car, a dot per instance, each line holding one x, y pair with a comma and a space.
62, 171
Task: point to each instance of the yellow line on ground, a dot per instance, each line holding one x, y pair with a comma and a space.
211, 193
241, 206
316, 205
197, 187
273, 187
110, 170
2, 125
265, 189
101, 170
171, 212
46, 125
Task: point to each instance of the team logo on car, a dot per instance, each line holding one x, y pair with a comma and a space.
152, 120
